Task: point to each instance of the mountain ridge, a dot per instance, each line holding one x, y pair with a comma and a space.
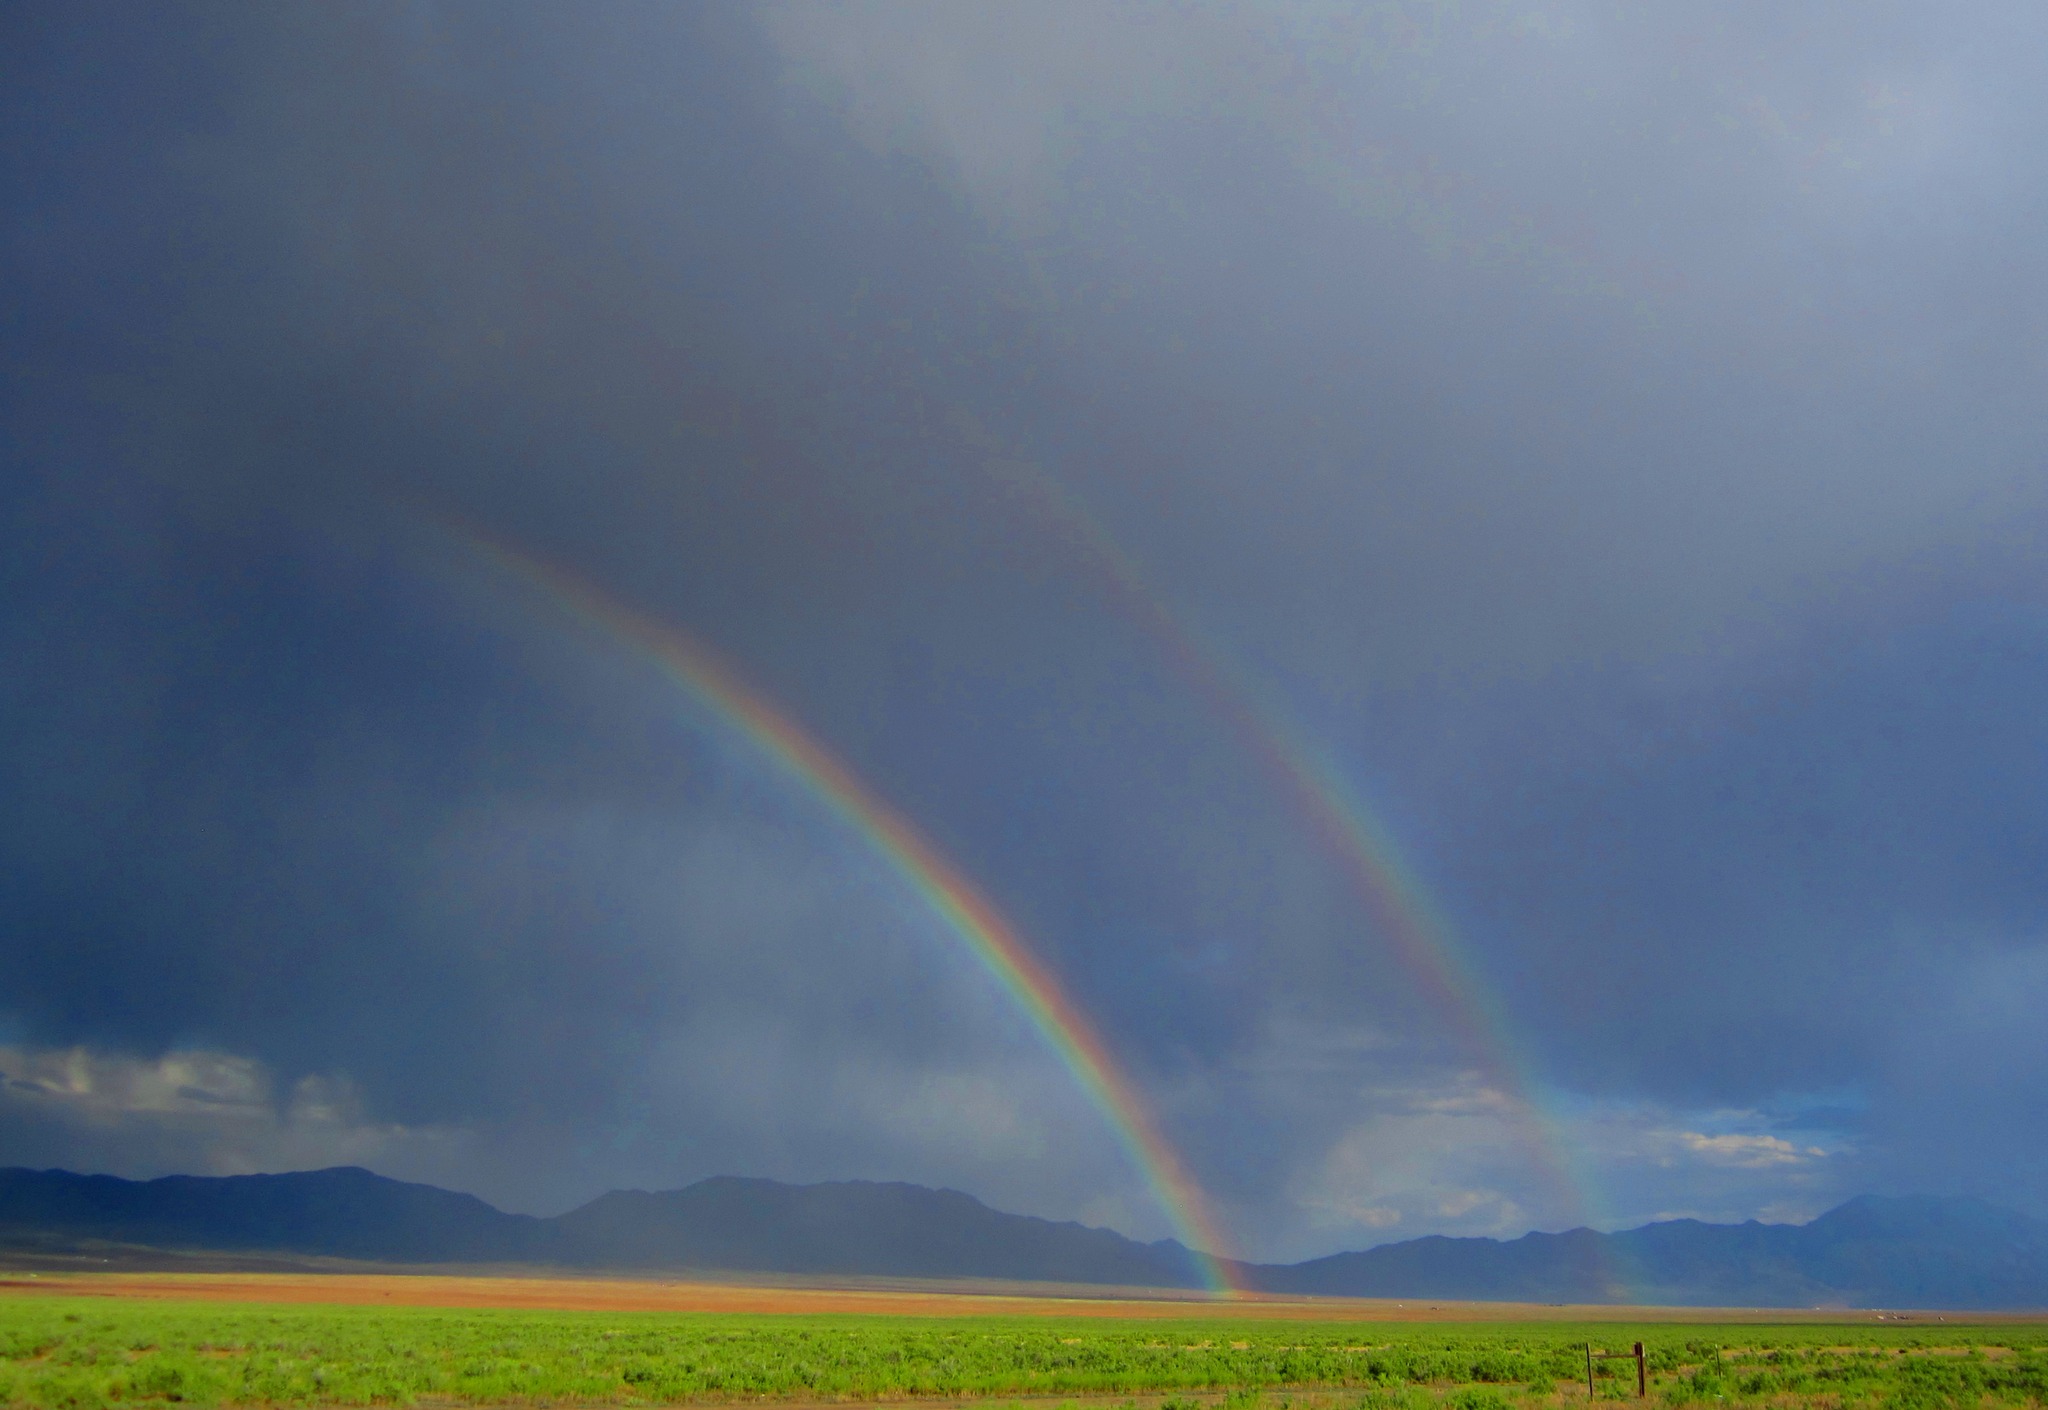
1911, 1251
1868, 1251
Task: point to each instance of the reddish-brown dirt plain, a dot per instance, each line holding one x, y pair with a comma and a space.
905, 1298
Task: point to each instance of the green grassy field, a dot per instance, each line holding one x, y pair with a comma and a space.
89, 1352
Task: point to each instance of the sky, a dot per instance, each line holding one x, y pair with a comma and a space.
1593, 448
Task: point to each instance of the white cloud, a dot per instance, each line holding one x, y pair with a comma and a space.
1751, 1152
1436, 1159
1456, 1204
101, 1086
1722, 1165
1414, 1150
193, 1111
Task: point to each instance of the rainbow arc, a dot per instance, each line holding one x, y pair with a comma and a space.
1361, 848
951, 895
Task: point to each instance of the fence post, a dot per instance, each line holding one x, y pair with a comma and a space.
1589, 1370
1642, 1374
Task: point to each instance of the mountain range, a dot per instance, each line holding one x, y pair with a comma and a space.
1869, 1252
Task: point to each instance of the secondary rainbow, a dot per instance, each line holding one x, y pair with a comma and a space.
943, 887
1360, 846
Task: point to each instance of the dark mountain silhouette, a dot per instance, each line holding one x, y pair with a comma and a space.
853, 1227
342, 1213
1870, 1252
856, 1227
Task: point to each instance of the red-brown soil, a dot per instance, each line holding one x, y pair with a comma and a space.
600, 1294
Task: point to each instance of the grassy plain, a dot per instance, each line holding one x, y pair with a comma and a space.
79, 1351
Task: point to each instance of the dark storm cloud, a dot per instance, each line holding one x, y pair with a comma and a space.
283, 795
1610, 434
1803, 849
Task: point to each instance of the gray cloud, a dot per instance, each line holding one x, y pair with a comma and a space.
1610, 436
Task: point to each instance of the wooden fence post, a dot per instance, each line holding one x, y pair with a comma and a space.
1642, 1369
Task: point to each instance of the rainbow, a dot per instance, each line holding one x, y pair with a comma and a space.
1364, 852
947, 891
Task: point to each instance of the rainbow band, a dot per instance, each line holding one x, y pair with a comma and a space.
1366, 855
942, 886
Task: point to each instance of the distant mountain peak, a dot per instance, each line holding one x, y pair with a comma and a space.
1887, 1251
